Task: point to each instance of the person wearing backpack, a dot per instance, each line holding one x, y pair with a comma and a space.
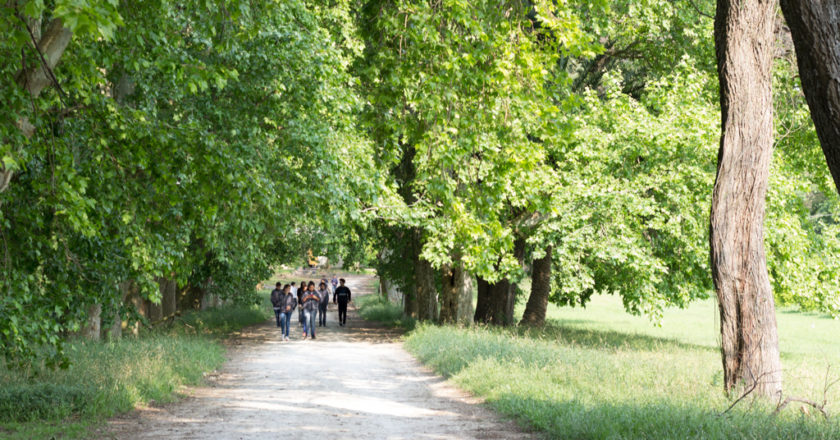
288, 303
276, 298
310, 310
342, 297
324, 294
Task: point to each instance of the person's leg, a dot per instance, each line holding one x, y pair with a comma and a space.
342, 313
305, 323
312, 316
288, 321
282, 321
277, 316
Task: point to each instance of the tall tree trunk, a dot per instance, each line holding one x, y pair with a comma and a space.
815, 28
482, 307
452, 295
540, 289
425, 291
749, 344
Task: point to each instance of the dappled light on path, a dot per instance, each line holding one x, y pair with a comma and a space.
352, 382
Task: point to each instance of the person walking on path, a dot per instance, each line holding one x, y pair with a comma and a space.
324, 294
287, 304
301, 291
334, 282
342, 297
276, 299
310, 310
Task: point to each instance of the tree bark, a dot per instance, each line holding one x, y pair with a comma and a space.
540, 289
749, 344
482, 307
815, 28
168, 296
92, 328
465, 302
496, 301
425, 290
453, 292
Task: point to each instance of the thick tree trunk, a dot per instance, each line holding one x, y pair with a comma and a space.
424, 307
92, 328
426, 293
540, 289
168, 296
482, 306
815, 28
453, 293
749, 344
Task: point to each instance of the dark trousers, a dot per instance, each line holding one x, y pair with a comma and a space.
342, 312
277, 312
322, 314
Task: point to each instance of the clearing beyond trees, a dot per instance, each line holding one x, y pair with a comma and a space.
351, 382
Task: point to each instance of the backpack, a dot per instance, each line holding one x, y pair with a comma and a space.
276, 298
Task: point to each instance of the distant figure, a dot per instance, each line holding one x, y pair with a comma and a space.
276, 301
324, 295
300, 293
288, 304
310, 310
294, 288
342, 297
334, 283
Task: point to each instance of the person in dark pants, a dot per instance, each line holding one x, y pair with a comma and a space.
287, 304
310, 310
300, 292
276, 299
324, 294
342, 297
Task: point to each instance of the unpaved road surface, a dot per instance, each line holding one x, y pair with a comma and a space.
352, 382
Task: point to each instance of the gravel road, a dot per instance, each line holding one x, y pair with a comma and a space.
353, 382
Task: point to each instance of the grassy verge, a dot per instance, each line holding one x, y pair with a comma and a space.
598, 373
105, 379
379, 309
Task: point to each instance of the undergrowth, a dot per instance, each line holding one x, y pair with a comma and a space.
379, 309
107, 378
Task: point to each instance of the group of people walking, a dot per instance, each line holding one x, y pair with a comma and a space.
310, 303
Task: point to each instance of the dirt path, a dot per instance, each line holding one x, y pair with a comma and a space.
353, 382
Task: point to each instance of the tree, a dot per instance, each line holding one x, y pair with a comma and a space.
815, 26
749, 343
535, 309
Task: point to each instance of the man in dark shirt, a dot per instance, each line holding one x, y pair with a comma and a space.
342, 297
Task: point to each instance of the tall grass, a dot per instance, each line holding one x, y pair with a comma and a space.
379, 309
598, 373
107, 378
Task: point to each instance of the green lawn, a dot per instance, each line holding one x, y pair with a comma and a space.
601, 373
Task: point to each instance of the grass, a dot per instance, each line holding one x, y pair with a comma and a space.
109, 378
602, 374
379, 309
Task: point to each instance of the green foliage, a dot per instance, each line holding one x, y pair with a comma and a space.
202, 141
